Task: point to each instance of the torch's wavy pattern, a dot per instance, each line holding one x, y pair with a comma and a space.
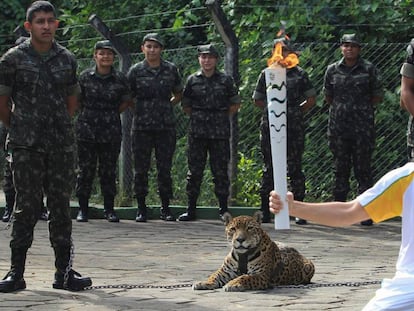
277, 115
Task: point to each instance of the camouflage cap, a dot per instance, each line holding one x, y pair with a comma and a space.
207, 49
350, 38
104, 44
153, 37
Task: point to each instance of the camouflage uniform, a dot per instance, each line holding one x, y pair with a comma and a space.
99, 132
40, 143
351, 129
209, 131
153, 125
408, 70
299, 88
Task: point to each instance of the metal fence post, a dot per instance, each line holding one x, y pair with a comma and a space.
125, 163
231, 67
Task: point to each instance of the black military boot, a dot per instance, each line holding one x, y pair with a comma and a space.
83, 210
8, 209
264, 207
109, 212
142, 210
190, 215
165, 212
223, 208
44, 214
65, 277
14, 280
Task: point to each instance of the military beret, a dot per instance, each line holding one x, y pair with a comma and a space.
207, 49
153, 37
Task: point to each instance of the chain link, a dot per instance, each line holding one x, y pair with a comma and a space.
338, 284
140, 286
185, 285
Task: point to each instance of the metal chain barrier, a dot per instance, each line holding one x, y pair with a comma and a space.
186, 285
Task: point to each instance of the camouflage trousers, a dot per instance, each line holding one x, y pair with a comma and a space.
33, 173
101, 155
219, 154
348, 153
163, 143
296, 178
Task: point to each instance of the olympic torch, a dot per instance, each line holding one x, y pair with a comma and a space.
275, 75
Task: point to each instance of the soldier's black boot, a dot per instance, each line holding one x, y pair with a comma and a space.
223, 208
44, 214
65, 277
165, 212
109, 212
264, 207
190, 215
83, 210
8, 210
14, 280
142, 210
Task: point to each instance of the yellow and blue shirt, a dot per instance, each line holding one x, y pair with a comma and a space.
392, 196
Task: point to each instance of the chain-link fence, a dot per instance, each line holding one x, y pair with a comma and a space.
317, 161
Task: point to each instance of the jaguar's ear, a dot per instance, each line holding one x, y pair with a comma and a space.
227, 218
258, 215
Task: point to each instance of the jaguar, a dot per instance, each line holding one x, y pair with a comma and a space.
255, 262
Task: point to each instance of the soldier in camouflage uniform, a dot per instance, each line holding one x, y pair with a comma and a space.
156, 86
407, 97
38, 77
104, 95
352, 89
301, 96
8, 186
210, 96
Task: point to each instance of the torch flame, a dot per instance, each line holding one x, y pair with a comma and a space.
290, 61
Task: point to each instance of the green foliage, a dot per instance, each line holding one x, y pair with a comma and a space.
315, 28
248, 181
12, 14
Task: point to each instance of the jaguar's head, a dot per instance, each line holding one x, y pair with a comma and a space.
244, 232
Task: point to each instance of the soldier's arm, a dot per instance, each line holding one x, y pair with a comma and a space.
407, 94
259, 103
234, 108
72, 104
176, 98
308, 103
125, 105
5, 110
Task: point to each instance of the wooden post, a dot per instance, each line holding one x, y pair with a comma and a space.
231, 67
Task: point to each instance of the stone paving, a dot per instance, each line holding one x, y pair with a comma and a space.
151, 266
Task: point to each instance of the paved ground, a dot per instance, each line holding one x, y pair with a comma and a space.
157, 261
